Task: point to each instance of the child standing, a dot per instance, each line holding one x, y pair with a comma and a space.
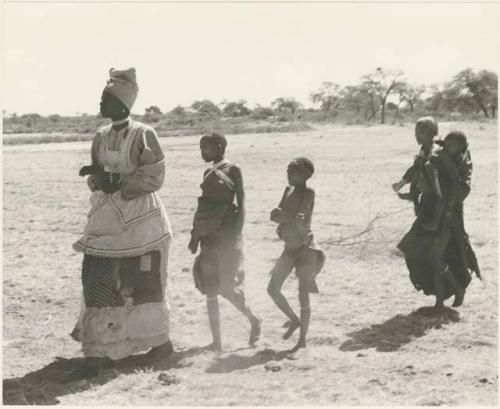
217, 230
293, 216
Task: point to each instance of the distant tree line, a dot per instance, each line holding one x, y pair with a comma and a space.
373, 98
380, 91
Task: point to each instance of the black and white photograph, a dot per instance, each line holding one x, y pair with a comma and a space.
250, 203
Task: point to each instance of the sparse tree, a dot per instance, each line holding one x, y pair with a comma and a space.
436, 100
289, 104
153, 110
30, 119
328, 96
260, 112
178, 110
473, 88
401, 91
359, 97
237, 108
411, 94
380, 84
206, 106
55, 118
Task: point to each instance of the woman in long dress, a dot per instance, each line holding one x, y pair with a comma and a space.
126, 240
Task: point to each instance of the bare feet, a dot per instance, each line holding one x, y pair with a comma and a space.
255, 331
459, 297
438, 308
215, 347
292, 326
300, 344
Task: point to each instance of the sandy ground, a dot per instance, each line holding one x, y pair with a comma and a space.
367, 343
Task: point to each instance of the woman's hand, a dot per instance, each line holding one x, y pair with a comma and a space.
108, 187
93, 183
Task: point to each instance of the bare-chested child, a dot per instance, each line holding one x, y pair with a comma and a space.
217, 230
293, 215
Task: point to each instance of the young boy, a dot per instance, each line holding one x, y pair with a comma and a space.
293, 216
217, 229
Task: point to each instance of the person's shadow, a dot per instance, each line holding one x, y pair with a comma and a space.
399, 330
44, 386
235, 362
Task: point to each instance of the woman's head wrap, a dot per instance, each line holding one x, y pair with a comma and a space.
428, 122
304, 164
216, 139
123, 85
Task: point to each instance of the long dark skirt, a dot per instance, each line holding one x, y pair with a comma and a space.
458, 255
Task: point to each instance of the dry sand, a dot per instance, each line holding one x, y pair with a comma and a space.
367, 343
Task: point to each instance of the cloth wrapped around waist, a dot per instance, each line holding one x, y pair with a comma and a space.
295, 235
210, 217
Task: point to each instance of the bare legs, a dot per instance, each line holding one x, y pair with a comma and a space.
305, 311
441, 272
274, 289
236, 297
214, 319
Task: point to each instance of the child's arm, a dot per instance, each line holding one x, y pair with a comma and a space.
304, 212
278, 215
407, 177
306, 205
465, 179
237, 177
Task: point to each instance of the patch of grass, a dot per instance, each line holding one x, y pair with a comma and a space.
226, 128
47, 138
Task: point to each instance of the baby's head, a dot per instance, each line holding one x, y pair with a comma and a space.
426, 129
455, 143
213, 146
299, 170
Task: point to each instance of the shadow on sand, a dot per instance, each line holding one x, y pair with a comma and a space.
235, 362
44, 386
399, 330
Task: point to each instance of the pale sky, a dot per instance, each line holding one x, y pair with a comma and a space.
56, 56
